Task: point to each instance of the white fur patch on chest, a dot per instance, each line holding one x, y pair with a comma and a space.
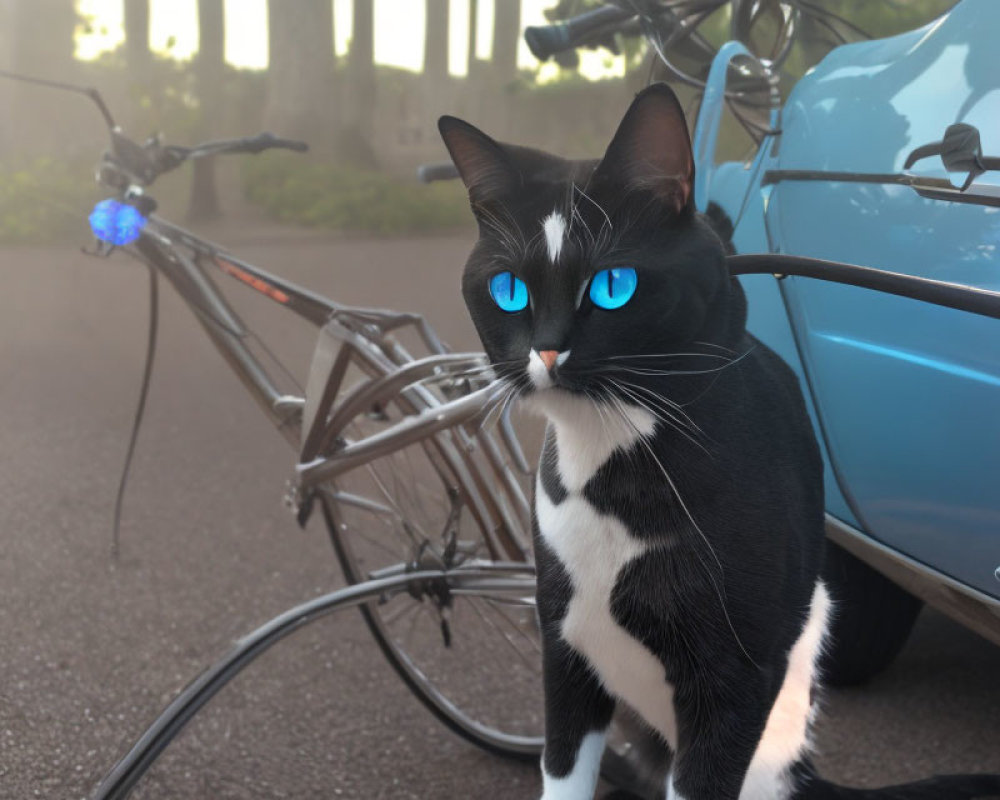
786, 736
593, 549
587, 436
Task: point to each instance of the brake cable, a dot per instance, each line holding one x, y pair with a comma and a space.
147, 373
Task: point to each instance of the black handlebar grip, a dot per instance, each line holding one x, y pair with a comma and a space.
291, 144
546, 40
268, 141
441, 171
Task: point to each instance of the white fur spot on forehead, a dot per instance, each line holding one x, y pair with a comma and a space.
554, 226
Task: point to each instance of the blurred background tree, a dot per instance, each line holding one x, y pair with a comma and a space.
209, 67
300, 74
333, 88
358, 129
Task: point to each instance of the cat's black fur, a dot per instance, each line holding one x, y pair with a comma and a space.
722, 500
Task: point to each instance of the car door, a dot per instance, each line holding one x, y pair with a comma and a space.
907, 394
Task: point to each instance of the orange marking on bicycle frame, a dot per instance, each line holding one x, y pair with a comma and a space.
251, 280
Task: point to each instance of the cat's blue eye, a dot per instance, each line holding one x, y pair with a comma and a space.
613, 288
509, 292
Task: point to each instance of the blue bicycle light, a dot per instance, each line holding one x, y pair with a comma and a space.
116, 223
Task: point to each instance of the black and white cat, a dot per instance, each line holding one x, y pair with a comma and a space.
679, 508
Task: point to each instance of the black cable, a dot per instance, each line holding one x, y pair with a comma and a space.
147, 373
122, 778
942, 293
93, 94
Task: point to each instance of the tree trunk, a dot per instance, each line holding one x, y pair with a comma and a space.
138, 66
436, 42
301, 70
506, 38
209, 68
138, 58
38, 42
358, 132
471, 59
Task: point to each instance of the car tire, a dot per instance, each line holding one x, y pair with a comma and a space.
871, 621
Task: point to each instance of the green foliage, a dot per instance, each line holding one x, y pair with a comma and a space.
889, 17
164, 100
857, 19
45, 199
346, 199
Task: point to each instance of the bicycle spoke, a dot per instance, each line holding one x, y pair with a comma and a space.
399, 613
534, 642
356, 531
503, 635
513, 602
413, 626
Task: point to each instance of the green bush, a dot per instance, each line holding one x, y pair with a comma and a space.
45, 199
346, 199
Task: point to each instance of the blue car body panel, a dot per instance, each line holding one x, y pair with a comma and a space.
905, 395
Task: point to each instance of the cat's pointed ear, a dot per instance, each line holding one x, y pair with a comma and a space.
482, 163
651, 149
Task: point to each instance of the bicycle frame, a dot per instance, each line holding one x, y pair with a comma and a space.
348, 333
450, 430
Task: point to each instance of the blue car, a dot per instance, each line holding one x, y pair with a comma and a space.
905, 395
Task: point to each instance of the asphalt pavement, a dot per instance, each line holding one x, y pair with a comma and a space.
92, 648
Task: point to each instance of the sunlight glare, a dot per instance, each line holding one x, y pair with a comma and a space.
399, 33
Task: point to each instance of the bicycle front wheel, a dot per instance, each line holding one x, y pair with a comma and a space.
472, 657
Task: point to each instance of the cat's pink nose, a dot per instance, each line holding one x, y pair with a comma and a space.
548, 358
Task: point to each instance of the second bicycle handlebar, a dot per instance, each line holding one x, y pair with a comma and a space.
547, 40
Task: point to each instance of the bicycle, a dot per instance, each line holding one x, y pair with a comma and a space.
385, 398
383, 395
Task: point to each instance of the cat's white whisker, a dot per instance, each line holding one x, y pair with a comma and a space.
585, 196
662, 399
511, 390
511, 237
717, 346
673, 487
664, 416
664, 356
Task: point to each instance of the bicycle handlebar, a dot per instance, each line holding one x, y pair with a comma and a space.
145, 163
547, 40
128, 162
438, 171
247, 144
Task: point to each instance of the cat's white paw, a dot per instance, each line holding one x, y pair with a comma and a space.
581, 782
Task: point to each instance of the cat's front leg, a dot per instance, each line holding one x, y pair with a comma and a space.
717, 738
577, 714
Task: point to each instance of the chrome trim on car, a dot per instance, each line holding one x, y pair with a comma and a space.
977, 611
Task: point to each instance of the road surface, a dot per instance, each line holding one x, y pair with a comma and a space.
92, 649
